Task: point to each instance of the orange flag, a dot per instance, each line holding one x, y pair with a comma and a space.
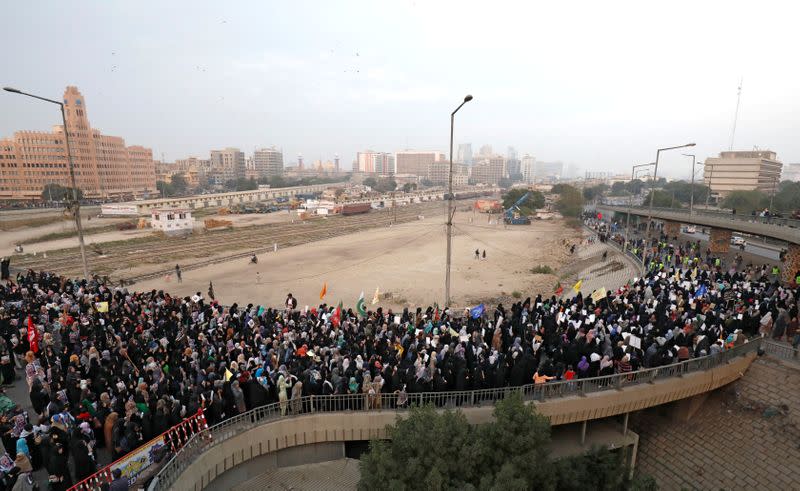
324, 291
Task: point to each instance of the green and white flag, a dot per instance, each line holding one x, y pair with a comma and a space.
362, 311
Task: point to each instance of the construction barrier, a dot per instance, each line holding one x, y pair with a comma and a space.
134, 463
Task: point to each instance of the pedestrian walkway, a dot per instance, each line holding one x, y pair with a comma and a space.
610, 274
745, 436
342, 474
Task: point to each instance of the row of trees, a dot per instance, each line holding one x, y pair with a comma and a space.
529, 207
55, 192
786, 200
441, 450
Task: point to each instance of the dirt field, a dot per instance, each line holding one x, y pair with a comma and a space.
406, 261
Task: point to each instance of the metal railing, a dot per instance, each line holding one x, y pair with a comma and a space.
720, 214
205, 440
780, 350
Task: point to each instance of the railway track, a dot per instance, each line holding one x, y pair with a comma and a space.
194, 252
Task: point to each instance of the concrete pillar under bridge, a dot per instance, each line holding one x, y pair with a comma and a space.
791, 263
672, 229
719, 241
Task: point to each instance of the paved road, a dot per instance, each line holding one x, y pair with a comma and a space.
767, 251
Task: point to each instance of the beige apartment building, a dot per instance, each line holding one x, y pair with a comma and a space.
488, 170
416, 163
104, 166
268, 162
438, 173
743, 171
227, 165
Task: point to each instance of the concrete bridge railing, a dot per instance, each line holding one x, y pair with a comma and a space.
783, 229
352, 417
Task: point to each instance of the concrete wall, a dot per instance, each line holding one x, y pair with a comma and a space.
249, 443
304, 454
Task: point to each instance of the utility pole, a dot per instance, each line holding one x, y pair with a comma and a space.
450, 206
76, 205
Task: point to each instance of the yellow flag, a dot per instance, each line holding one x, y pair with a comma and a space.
599, 294
577, 286
375, 297
101, 306
228, 375
324, 291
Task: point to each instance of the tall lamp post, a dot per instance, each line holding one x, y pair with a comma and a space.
652, 192
75, 202
634, 171
450, 206
691, 195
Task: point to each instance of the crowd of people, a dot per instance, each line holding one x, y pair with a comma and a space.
108, 366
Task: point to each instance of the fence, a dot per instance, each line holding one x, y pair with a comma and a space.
135, 462
780, 350
205, 440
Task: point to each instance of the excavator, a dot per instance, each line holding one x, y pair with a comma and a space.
512, 215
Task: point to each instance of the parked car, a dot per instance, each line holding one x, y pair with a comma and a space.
738, 240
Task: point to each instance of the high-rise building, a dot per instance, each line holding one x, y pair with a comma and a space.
227, 165
743, 171
336, 167
488, 170
528, 165
268, 162
464, 154
375, 162
511, 154
299, 162
416, 163
549, 171
486, 151
104, 165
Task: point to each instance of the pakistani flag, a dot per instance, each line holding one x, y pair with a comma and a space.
360, 306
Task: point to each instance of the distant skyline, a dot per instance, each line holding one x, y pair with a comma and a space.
597, 86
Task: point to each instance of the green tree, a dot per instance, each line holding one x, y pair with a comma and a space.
662, 199
593, 192
165, 189
683, 191
745, 202
426, 182
179, 184
570, 200
504, 182
787, 199
409, 186
440, 450
535, 200
57, 192
371, 182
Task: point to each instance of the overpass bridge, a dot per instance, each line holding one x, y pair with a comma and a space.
259, 434
722, 225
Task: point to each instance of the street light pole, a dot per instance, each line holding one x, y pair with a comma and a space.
652, 193
710, 176
634, 169
75, 202
450, 206
691, 195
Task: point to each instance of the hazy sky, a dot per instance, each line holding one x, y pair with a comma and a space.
600, 85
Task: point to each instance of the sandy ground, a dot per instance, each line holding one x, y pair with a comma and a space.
406, 261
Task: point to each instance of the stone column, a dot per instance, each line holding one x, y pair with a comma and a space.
672, 229
791, 263
719, 240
